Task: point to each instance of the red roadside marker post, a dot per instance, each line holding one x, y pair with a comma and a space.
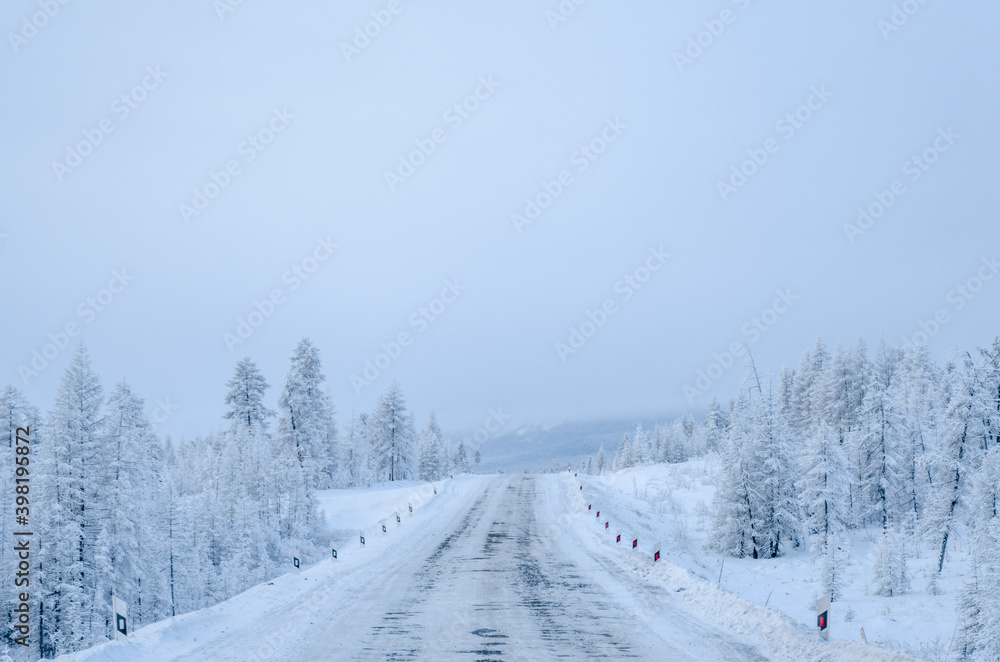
618, 537
635, 540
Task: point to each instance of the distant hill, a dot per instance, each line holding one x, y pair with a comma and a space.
537, 446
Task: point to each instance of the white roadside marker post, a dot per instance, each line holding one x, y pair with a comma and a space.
296, 561
618, 536
399, 522
121, 618
635, 540
656, 553
333, 548
362, 534
823, 618
410, 506
384, 530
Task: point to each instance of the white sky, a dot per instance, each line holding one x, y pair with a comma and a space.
654, 186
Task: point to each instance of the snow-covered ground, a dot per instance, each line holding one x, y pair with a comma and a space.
269, 621
350, 511
502, 567
673, 504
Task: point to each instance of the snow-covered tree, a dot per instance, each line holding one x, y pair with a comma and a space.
69, 520
626, 456
715, 426
306, 420
245, 398
433, 451
393, 437
955, 458
889, 571
808, 391
357, 452
823, 488
877, 446
778, 507
756, 504
733, 533
130, 477
15, 412
460, 463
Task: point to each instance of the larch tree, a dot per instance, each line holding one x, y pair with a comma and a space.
130, 477
306, 417
955, 459
393, 436
460, 463
71, 449
15, 412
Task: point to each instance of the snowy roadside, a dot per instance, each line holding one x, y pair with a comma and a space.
269, 620
670, 504
349, 511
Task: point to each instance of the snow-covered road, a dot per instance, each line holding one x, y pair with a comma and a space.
509, 581
493, 569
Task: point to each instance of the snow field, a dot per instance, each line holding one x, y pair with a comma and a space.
350, 511
672, 503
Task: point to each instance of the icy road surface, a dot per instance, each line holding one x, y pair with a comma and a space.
506, 580
504, 568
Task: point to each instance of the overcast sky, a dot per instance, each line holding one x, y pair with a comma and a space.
613, 118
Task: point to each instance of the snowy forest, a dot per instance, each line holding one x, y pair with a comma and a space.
170, 528
891, 444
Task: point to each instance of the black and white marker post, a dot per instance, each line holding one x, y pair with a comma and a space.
333, 549
399, 522
296, 561
823, 618
384, 530
606, 524
362, 534
121, 618
618, 536
656, 553
410, 506
635, 540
